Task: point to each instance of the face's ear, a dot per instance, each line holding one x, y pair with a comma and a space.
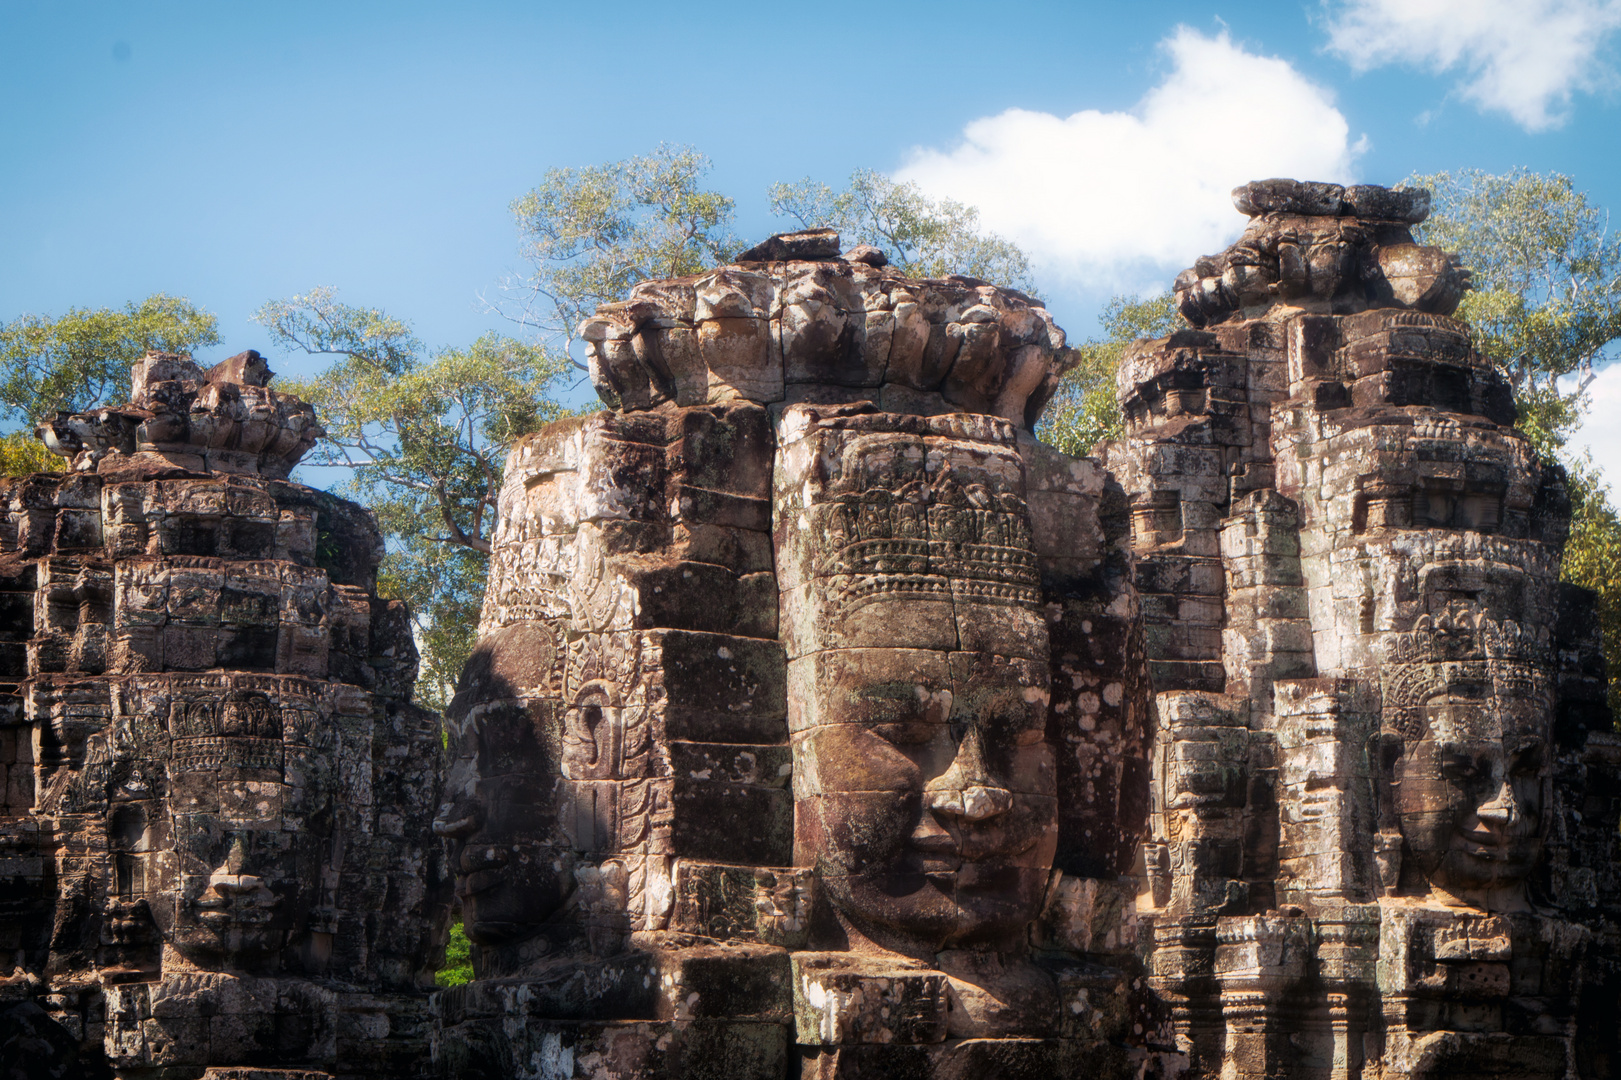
1385, 749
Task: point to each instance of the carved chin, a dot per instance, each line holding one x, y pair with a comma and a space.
1471, 866
497, 910
978, 902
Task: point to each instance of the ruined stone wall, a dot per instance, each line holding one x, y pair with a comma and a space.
217, 793
823, 723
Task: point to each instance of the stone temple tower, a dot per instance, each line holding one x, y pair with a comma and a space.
805, 732
1384, 787
217, 796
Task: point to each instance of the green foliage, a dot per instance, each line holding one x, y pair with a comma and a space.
21, 454
425, 440
1546, 298
922, 237
82, 359
1593, 557
458, 967
592, 233
1545, 303
444, 585
1086, 409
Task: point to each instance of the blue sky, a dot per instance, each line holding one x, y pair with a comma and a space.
236, 153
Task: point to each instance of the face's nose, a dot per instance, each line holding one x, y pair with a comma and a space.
966, 790
457, 821
1503, 809
236, 878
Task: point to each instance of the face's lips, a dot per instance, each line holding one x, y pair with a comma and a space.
476, 857
218, 912
479, 881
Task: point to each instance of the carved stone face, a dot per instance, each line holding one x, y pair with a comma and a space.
1470, 789
250, 819
918, 684
245, 886
932, 803
511, 871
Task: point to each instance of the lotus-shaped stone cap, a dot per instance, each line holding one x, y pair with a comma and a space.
1322, 248
791, 321
179, 417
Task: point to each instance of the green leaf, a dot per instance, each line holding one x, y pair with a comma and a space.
1086, 409
83, 358
922, 237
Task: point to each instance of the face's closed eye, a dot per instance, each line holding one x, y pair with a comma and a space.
841, 758
908, 733
1528, 760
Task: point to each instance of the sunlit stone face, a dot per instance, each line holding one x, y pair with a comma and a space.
1470, 692
1471, 788
930, 803
918, 682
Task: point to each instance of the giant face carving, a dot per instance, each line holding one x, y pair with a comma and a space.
1470, 793
1473, 709
918, 684
251, 789
513, 867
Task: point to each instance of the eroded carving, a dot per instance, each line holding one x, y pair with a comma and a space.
799, 789
1362, 857
224, 799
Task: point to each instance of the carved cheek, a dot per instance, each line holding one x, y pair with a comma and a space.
1430, 806
849, 758
858, 798
860, 830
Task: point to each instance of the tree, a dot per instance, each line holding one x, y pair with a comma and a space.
1086, 409
1545, 304
424, 439
83, 358
922, 237
1593, 557
1546, 296
22, 454
592, 233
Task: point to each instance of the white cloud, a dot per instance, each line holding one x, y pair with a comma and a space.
1118, 198
1520, 57
1599, 432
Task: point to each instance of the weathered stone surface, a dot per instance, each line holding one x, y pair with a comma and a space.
789, 322
1322, 248
1362, 860
182, 420
761, 731
218, 794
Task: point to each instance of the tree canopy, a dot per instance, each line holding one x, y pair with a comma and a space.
921, 236
1546, 297
1086, 409
424, 438
590, 234
82, 358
